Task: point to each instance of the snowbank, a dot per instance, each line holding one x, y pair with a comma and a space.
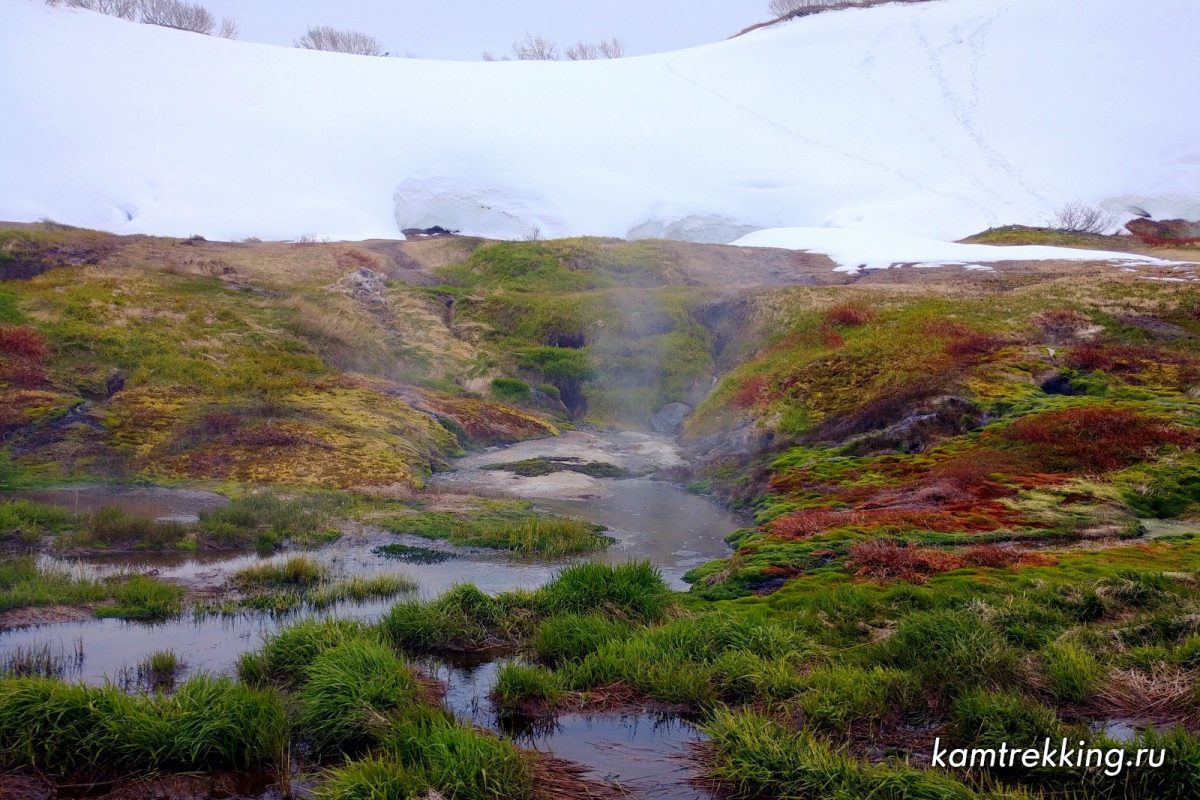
938, 119
858, 249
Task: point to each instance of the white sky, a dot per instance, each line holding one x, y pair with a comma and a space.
454, 29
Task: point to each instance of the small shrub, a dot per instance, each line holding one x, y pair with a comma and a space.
18, 341
23, 353
324, 37
990, 555
849, 315
1079, 217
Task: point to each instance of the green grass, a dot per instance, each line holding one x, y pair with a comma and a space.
296, 573
950, 652
635, 591
520, 684
23, 583
756, 757
535, 467
461, 620
27, 521
459, 762
1073, 673
361, 589
989, 719
160, 670
286, 656
839, 697
206, 724
372, 779
571, 637
511, 390
113, 528
142, 597
698, 662
516, 530
267, 521
350, 695
39, 660
412, 555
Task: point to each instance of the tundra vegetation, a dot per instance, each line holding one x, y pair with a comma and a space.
973, 500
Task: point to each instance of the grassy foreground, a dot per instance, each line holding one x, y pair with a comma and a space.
339, 695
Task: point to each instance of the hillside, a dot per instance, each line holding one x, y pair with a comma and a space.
938, 119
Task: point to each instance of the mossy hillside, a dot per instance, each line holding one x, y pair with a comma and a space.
563, 313
945, 426
215, 380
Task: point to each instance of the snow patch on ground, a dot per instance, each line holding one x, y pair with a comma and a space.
939, 119
856, 249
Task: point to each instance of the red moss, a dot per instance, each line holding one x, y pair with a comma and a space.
750, 393
23, 354
849, 315
963, 341
22, 342
831, 338
808, 522
1121, 359
885, 559
1095, 438
990, 555
1061, 322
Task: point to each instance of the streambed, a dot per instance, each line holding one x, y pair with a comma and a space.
649, 519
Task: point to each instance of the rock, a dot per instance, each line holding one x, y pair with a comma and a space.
114, 383
1165, 232
365, 285
436, 230
669, 418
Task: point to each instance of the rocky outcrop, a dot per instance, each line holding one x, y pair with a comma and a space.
1164, 233
669, 418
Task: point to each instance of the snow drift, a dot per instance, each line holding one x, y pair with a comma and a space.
938, 119
856, 249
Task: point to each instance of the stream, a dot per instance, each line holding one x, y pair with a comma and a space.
654, 520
